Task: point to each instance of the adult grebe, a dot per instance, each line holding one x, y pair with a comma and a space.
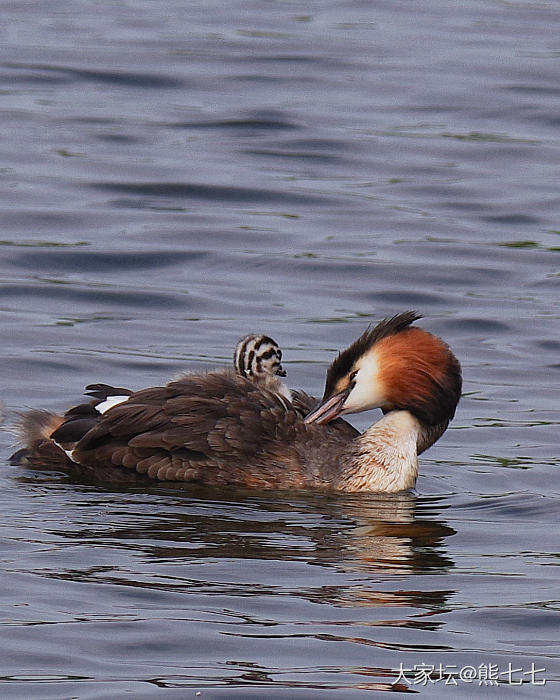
223, 428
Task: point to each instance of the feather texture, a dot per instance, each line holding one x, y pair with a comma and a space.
215, 428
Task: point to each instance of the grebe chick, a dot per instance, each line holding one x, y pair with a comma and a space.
259, 358
222, 428
256, 355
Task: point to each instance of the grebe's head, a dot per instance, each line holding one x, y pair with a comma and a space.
393, 366
258, 355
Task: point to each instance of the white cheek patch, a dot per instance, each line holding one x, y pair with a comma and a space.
367, 392
109, 402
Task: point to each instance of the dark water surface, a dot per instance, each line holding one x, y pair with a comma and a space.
177, 174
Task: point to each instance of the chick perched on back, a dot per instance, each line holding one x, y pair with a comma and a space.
259, 358
256, 355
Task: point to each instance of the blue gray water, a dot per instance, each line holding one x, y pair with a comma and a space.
177, 174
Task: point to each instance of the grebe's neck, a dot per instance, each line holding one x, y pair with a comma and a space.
384, 457
429, 434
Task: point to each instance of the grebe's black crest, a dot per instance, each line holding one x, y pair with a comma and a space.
346, 359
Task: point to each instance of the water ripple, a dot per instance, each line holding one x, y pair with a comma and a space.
219, 193
110, 77
93, 261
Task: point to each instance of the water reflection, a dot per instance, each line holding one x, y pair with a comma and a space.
366, 536
243, 572
389, 535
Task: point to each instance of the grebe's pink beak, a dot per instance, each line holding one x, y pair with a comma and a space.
329, 409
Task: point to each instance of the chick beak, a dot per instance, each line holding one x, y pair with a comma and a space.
281, 372
329, 409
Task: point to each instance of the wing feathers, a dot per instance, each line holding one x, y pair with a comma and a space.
190, 428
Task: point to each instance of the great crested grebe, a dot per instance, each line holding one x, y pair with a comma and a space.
223, 428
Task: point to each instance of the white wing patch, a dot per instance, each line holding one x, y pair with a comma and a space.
109, 402
67, 452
